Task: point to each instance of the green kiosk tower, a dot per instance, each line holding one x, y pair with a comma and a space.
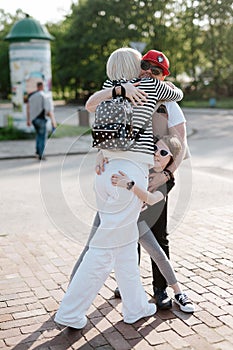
30, 62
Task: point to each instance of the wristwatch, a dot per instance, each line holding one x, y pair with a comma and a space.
169, 174
130, 185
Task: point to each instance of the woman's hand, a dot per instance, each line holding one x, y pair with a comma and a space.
100, 162
134, 94
120, 179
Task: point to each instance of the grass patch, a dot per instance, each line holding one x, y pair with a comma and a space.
70, 131
225, 103
11, 133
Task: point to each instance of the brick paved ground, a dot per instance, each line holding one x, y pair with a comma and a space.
34, 274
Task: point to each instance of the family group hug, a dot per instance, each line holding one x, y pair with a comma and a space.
135, 170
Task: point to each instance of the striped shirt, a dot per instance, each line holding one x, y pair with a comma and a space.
142, 114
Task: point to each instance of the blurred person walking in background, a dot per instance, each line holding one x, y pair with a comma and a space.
38, 107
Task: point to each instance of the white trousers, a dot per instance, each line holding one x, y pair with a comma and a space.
118, 208
90, 277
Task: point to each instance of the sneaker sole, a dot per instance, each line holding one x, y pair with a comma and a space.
79, 325
188, 310
150, 312
167, 306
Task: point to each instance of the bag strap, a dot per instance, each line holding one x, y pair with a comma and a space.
158, 104
143, 128
123, 92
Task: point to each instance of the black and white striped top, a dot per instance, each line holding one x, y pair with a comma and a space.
156, 91
143, 149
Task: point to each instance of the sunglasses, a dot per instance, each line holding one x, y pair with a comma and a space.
145, 65
162, 152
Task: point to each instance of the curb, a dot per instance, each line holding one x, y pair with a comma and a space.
32, 156
47, 155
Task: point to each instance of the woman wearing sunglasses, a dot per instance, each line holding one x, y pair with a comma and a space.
166, 150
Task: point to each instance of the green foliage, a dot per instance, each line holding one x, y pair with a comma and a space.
98, 27
196, 35
12, 133
70, 131
6, 22
224, 103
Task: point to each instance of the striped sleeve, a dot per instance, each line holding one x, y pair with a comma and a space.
166, 92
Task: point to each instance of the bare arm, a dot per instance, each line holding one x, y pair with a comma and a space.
134, 94
28, 115
122, 180
53, 120
180, 131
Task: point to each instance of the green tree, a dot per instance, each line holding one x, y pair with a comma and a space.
185, 40
96, 28
217, 18
196, 35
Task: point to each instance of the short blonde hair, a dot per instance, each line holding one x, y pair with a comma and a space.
173, 143
124, 63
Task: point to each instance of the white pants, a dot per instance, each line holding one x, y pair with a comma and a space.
91, 275
118, 208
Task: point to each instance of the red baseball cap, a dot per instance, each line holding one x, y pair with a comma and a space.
159, 59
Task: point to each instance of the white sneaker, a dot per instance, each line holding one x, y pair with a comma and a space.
78, 325
184, 303
152, 308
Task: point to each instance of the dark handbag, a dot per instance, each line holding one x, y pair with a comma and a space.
36, 122
42, 114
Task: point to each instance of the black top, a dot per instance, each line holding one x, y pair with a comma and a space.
156, 215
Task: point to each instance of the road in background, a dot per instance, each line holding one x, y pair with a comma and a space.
38, 202
60, 193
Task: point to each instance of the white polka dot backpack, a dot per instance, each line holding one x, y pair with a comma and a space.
113, 125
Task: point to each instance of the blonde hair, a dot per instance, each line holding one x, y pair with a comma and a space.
124, 63
173, 143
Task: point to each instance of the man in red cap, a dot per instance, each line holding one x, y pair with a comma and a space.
157, 59
168, 119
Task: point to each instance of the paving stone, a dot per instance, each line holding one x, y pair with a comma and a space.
117, 341
50, 304
180, 327
197, 342
174, 339
208, 333
37, 273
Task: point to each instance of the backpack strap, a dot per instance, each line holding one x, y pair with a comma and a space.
158, 104
143, 128
123, 92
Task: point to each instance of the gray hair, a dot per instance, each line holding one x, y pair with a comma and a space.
124, 63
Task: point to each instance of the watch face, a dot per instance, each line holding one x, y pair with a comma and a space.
130, 185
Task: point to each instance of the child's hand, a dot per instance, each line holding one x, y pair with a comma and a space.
144, 206
120, 179
100, 163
